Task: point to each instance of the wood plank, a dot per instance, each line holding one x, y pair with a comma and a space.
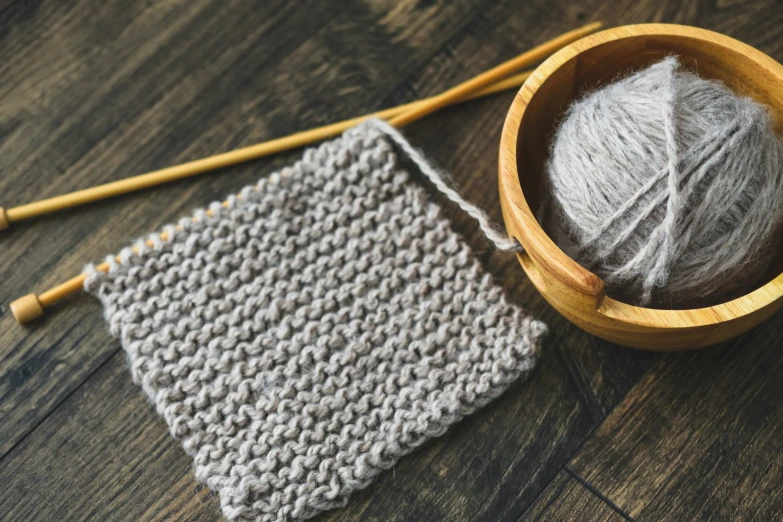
5, 4
103, 455
93, 93
243, 84
700, 437
567, 500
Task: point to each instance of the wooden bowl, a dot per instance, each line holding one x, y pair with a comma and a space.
538, 107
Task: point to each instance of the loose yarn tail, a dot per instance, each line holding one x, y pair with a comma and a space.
492, 232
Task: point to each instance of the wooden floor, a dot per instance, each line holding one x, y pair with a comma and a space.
92, 91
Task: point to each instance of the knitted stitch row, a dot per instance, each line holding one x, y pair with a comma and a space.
324, 324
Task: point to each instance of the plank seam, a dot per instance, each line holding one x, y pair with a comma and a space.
60, 403
598, 494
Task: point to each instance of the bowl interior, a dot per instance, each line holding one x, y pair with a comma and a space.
604, 62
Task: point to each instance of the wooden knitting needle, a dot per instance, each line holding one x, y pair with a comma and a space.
398, 117
32, 306
225, 159
491, 76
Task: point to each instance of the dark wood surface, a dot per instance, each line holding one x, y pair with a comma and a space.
92, 91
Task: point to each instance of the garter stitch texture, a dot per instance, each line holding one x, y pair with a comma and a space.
669, 187
326, 323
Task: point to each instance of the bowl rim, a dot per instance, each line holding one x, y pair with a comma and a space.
535, 240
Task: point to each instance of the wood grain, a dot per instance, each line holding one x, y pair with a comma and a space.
700, 437
104, 454
94, 91
567, 500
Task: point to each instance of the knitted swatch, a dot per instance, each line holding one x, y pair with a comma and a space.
321, 325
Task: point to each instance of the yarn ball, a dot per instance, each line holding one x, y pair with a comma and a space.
669, 187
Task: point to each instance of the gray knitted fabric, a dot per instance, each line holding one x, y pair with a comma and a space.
325, 323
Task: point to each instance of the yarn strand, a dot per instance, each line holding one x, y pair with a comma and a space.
660, 271
437, 178
695, 177
710, 145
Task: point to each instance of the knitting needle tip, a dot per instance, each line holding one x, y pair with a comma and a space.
27, 308
3, 219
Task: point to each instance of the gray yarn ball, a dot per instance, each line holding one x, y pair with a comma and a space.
669, 187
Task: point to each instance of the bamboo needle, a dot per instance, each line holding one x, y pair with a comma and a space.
218, 161
496, 73
32, 306
398, 116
